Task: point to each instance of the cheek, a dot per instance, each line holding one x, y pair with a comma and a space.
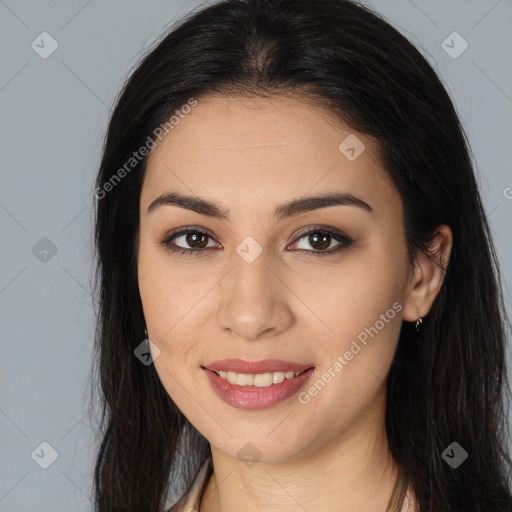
167, 310
165, 299
353, 299
364, 317
171, 307
353, 372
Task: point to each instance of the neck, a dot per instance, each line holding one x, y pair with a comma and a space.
354, 471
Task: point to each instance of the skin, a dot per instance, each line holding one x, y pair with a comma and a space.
250, 156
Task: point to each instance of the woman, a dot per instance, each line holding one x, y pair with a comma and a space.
300, 303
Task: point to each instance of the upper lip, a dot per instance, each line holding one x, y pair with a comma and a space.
254, 367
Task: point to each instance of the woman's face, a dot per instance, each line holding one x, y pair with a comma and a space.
258, 286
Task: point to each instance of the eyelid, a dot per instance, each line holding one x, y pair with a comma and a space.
320, 228
185, 231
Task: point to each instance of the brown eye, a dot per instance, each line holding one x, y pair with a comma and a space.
321, 239
190, 240
196, 239
196, 242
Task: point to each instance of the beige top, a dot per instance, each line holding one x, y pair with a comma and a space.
190, 501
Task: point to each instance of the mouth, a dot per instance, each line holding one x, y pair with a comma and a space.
259, 390
261, 380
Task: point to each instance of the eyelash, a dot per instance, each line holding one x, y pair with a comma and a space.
339, 236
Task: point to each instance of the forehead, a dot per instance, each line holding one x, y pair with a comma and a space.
250, 152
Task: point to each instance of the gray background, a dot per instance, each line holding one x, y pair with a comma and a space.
54, 113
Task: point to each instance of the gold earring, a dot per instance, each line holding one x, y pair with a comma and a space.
419, 321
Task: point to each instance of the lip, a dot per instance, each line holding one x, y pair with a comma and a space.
253, 397
254, 367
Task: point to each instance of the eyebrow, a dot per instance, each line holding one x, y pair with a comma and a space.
288, 209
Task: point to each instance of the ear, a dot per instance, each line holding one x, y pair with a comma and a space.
428, 275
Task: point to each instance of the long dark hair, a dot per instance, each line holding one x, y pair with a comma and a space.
446, 385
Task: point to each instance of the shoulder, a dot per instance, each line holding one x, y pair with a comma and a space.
190, 501
409, 504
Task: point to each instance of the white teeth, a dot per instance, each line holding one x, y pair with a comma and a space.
260, 380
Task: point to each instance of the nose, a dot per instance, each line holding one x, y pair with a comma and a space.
254, 301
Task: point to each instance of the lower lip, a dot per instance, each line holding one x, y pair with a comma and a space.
252, 397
